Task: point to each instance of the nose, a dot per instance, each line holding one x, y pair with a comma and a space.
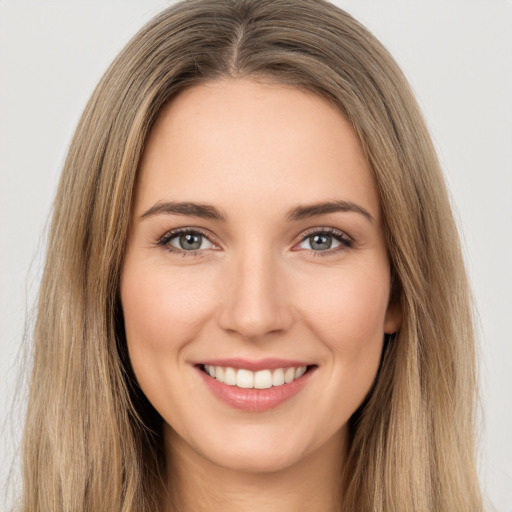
255, 301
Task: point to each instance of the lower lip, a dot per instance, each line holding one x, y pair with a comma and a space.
254, 400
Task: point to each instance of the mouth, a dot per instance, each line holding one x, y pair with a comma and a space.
261, 379
255, 387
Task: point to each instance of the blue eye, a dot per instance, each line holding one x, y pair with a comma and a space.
320, 242
190, 242
325, 241
187, 241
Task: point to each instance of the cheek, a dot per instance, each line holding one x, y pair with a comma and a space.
351, 308
162, 312
348, 317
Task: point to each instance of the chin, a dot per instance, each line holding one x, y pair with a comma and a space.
261, 449
258, 459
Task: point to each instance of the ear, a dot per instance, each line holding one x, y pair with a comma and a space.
393, 318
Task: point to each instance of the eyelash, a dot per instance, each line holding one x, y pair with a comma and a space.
344, 240
164, 241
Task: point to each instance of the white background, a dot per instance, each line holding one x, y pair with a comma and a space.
458, 57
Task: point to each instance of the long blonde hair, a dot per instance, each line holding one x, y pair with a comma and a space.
92, 441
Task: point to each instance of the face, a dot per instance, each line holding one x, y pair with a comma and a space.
256, 283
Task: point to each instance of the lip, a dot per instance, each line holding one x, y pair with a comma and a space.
254, 400
270, 363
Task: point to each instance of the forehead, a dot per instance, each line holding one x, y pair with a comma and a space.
250, 142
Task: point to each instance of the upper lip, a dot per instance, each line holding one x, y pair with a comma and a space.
270, 363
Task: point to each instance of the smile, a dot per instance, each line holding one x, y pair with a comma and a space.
255, 386
247, 379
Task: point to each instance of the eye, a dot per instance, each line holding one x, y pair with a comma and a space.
325, 240
185, 241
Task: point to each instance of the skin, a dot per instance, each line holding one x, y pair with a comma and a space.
257, 288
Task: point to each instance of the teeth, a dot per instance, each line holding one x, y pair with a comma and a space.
244, 379
289, 375
278, 377
262, 379
230, 377
299, 372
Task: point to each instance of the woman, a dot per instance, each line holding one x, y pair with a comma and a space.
253, 282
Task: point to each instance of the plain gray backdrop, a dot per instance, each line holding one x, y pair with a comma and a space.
458, 58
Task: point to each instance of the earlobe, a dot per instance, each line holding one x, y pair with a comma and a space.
393, 319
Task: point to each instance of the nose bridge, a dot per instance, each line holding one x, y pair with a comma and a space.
254, 303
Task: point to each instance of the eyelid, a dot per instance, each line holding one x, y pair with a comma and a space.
346, 241
164, 240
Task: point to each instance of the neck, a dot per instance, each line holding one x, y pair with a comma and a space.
197, 484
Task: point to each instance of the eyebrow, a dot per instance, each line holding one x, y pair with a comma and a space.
312, 210
207, 211
204, 211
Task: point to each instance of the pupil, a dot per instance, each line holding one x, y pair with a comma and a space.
190, 241
320, 242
